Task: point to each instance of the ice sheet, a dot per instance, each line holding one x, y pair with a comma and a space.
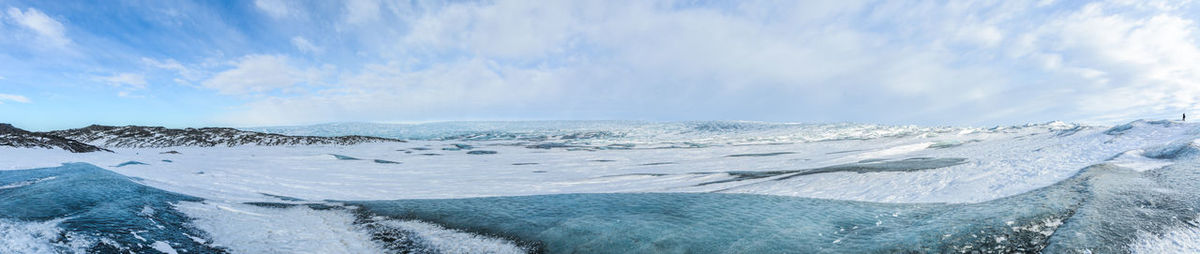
1000, 162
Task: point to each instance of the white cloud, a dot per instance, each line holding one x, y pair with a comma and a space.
170, 64
474, 85
128, 94
126, 80
13, 98
1124, 65
899, 62
361, 11
305, 46
50, 31
506, 29
259, 73
555, 58
274, 8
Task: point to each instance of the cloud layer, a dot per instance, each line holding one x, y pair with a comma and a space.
48, 30
923, 62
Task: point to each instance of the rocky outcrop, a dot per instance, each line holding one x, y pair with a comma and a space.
152, 136
15, 137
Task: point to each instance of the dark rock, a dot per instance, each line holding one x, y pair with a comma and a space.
479, 152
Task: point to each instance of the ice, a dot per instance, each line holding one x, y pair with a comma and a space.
163, 247
250, 229
758, 154
25, 183
36, 238
999, 162
281, 228
836, 187
428, 237
385, 161
1184, 239
129, 163
733, 223
1137, 160
99, 211
1093, 211
343, 157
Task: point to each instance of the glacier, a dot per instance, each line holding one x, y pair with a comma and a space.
621, 187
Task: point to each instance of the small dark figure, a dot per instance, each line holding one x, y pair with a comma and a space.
1184, 117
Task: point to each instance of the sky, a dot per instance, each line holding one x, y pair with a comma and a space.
67, 64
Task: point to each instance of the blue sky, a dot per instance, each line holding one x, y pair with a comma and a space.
67, 64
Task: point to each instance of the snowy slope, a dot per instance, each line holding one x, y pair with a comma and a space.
14, 137
150, 136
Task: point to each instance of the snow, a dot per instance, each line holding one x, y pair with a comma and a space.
1136, 160
1184, 239
164, 247
24, 183
1000, 162
36, 237
451, 241
250, 229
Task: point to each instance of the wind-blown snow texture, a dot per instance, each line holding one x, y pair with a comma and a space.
621, 187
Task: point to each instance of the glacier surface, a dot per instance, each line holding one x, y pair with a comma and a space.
625, 187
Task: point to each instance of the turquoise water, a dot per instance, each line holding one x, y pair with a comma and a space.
98, 207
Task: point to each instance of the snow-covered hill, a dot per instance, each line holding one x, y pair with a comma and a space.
150, 136
15, 137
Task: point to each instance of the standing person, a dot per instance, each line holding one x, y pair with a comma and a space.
1184, 117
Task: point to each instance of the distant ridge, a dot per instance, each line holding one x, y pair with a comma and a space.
132, 136
16, 137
